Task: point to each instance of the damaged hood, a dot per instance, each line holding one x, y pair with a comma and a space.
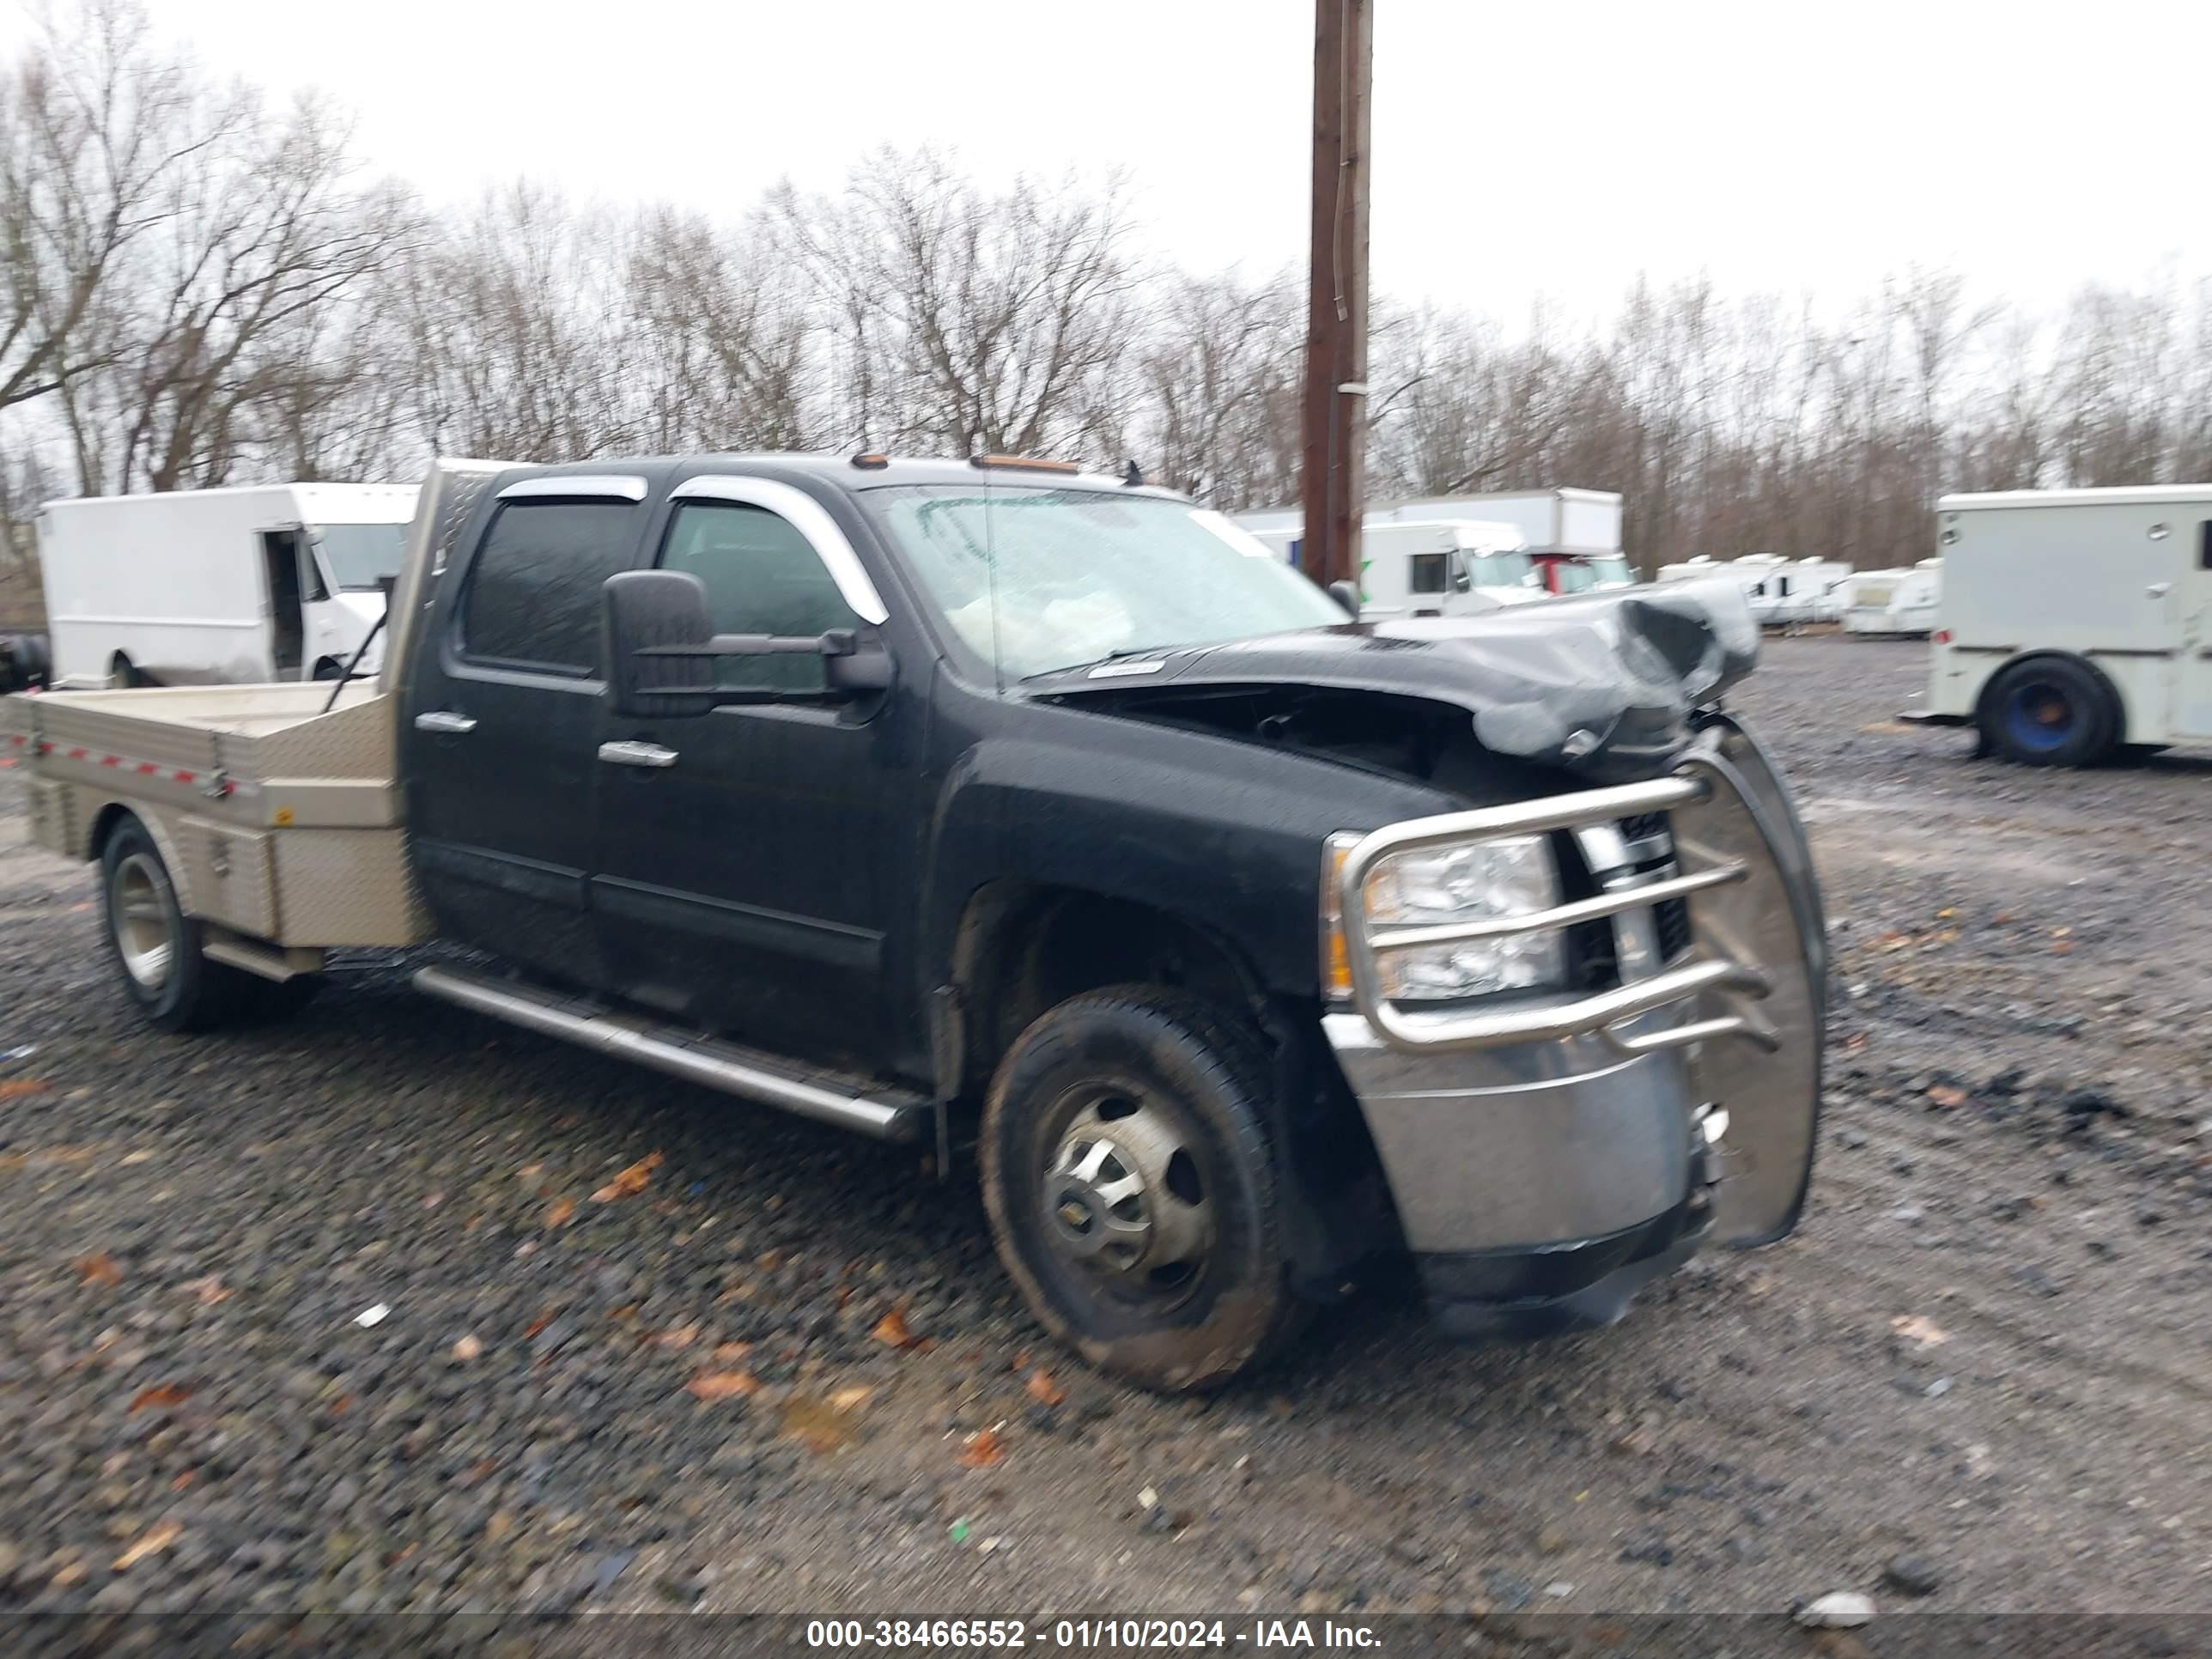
1601, 684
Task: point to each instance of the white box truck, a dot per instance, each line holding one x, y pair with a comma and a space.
1441, 567
219, 587
2074, 620
1572, 536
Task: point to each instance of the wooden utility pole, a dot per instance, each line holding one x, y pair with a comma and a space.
1334, 411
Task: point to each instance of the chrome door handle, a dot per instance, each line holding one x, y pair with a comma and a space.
444, 719
636, 754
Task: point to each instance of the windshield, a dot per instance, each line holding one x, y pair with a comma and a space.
1498, 569
1580, 575
1038, 579
358, 554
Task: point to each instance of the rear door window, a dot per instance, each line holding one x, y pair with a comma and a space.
532, 599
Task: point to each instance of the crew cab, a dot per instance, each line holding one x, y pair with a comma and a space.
998, 805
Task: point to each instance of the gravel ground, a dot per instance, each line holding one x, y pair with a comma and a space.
1986, 1349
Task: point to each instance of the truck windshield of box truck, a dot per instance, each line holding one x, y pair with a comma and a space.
359, 554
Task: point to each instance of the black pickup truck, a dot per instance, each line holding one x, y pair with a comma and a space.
1001, 806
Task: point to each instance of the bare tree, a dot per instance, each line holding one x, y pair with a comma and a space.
721, 339
94, 124
514, 332
968, 321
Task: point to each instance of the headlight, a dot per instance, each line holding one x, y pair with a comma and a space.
1463, 882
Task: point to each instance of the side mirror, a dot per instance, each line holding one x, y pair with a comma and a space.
661, 650
1347, 595
641, 611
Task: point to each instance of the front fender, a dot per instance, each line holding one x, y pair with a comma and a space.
1223, 835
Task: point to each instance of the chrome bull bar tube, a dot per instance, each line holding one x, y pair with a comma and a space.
1548, 1019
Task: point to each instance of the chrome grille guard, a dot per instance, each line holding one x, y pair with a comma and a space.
1711, 973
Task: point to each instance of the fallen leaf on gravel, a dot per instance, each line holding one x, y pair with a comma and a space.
712, 1386
630, 1181
1947, 914
849, 1399
1914, 1329
159, 1394
1043, 1389
2060, 932
729, 1353
561, 1210
822, 1426
892, 1330
681, 1336
98, 1270
468, 1347
2061, 949
981, 1449
156, 1539
1944, 1095
209, 1290
1894, 941
22, 1088
536, 1326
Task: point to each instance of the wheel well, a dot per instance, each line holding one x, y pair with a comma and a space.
1024, 948
2113, 700
105, 823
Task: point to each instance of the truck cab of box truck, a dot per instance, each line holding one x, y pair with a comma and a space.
239, 586
1441, 567
2073, 622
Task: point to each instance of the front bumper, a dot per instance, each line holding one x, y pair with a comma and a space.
1547, 1155
1532, 1146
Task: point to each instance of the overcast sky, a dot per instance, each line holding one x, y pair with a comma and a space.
1554, 148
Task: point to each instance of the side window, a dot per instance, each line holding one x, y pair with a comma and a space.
2204, 545
534, 594
1428, 572
762, 576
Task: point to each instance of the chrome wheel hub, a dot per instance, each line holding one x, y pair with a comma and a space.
1123, 1197
138, 912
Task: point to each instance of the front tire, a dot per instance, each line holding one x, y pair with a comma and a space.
2050, 711
1132, 1190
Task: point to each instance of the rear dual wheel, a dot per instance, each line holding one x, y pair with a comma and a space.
1132, 1190
2050, 711
159, 951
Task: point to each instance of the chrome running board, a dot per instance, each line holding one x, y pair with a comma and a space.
884, 1112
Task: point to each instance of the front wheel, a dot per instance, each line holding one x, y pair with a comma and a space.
2050, 711
1133, 1190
